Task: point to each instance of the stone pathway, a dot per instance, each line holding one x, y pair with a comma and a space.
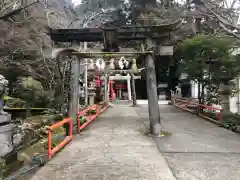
114, 147
196, 149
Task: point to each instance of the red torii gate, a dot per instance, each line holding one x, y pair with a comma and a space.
111, 82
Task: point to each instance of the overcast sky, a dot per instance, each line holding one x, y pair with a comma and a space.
76, 2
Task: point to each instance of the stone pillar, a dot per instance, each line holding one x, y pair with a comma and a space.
133, 90
153, 108
91, 99
120, 93
106, 98
225, 92
129, 87
74, 90
86, 82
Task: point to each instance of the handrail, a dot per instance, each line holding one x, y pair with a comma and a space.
201, 105
90, 118
104, 108
52, 151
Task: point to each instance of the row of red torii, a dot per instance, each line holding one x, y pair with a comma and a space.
116, 89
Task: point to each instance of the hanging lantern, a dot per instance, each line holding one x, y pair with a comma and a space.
111, 65
134, 66
100, 64
91, 65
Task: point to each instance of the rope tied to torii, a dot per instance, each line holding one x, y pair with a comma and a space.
123, 63
100, 64
103, 63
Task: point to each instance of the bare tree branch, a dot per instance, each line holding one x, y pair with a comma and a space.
16, 11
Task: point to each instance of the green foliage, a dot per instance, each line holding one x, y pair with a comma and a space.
2, 163
203, 57
31, 92
204, 46
2, 167
28, 88
82, 120
231, 122
31, 84
198, 52
15, 102
44, 99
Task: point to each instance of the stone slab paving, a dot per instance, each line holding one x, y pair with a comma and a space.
196, 148
114, 147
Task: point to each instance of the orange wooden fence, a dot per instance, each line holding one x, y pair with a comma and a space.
89, 118
204, 106
52, 151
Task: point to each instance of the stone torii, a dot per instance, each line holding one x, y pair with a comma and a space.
150, 35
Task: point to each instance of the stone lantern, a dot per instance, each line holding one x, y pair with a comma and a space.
225, 76
6, 128
225, 89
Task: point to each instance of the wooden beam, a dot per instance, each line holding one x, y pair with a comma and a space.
120, 71
109, 54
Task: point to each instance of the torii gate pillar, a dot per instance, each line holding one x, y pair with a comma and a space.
153, 108
129, 88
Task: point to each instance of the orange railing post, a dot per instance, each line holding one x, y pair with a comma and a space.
90, 117
220, 115
98, 110
103, 109
52, 151
49, 144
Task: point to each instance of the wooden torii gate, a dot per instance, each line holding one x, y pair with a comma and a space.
149, 35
